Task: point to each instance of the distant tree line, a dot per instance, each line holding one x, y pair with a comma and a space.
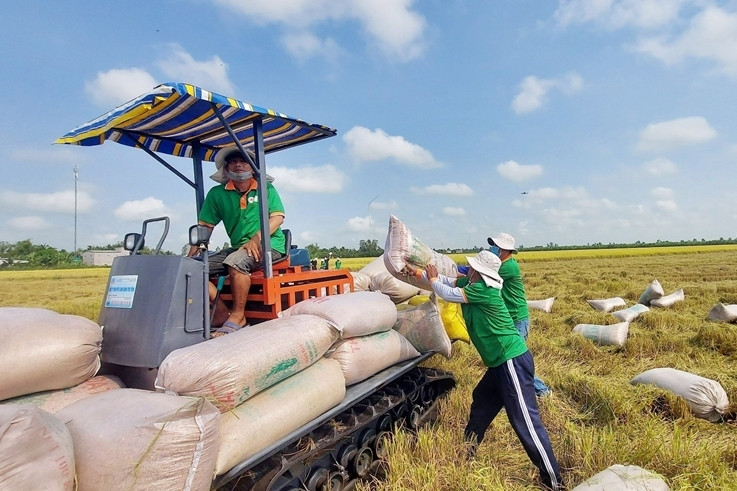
26, 255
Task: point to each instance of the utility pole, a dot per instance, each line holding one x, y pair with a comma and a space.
76, 176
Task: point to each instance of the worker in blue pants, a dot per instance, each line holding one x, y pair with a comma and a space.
508, 381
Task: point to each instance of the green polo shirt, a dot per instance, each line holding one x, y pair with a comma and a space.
489, 325
513, 290
240, 213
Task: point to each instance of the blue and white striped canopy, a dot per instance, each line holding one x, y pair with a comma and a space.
174, 118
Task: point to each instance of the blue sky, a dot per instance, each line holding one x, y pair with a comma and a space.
569, 122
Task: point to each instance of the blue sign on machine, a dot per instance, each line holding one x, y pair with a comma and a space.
121, 291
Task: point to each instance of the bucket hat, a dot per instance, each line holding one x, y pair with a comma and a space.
503, 241
221, 158
487, 264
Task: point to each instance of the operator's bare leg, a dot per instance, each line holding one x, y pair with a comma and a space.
221, 310
240, 284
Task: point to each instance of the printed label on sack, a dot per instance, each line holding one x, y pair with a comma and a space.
121, 291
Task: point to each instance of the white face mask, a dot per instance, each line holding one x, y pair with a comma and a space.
240, 176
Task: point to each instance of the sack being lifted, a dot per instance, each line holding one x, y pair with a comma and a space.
403, 249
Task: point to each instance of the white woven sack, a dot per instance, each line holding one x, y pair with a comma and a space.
362, 357
423, 327
353, 314
375, 267
654, 290
403, 249
624, 478
723, 313
607, 304
45, 350
629, 314
54, 400
545, 305
278, 411
668, 300
397, 290
141, 440
36, 450
361, 282
705, 397
230, 369
611, 335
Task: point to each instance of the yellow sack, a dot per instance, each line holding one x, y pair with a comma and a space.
451, 315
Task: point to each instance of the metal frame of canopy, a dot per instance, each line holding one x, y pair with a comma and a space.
186, 121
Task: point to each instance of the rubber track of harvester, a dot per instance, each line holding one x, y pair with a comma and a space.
350, 446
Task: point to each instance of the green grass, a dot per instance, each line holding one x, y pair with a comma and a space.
595, 418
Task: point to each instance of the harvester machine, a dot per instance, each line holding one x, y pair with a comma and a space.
155, 303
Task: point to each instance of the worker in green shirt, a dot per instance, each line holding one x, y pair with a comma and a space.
508, 381
513, 292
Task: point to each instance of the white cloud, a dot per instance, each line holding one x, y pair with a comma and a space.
142, 209
449, 189
711, 35
660, 167
365, 145
305, 45
454, 211
116, 86
534, 91
58, 202
518, 173
676, 132
667, 205
359, 224
662, 193
391, 25
615, 14
323, 179
210, 74
29, 223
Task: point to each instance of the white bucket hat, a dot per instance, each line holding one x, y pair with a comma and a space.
487, 264
504, 241
221, 157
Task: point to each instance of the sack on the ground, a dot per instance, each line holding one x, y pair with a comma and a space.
403, 249
723, 313
45, 350
141, 440
705, 397
54, 400
361, 357
353, 314
611, 335
668, 300
607, 304
654, 290
278, 411
423, 327
361, 282
450, 314
545, 305
624, 477
397, 290
231, 368
36, 450
630, 313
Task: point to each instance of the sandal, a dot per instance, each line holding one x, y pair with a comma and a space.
229, 327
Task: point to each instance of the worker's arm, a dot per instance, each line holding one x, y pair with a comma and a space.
253, 246
443, 286
193, 250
